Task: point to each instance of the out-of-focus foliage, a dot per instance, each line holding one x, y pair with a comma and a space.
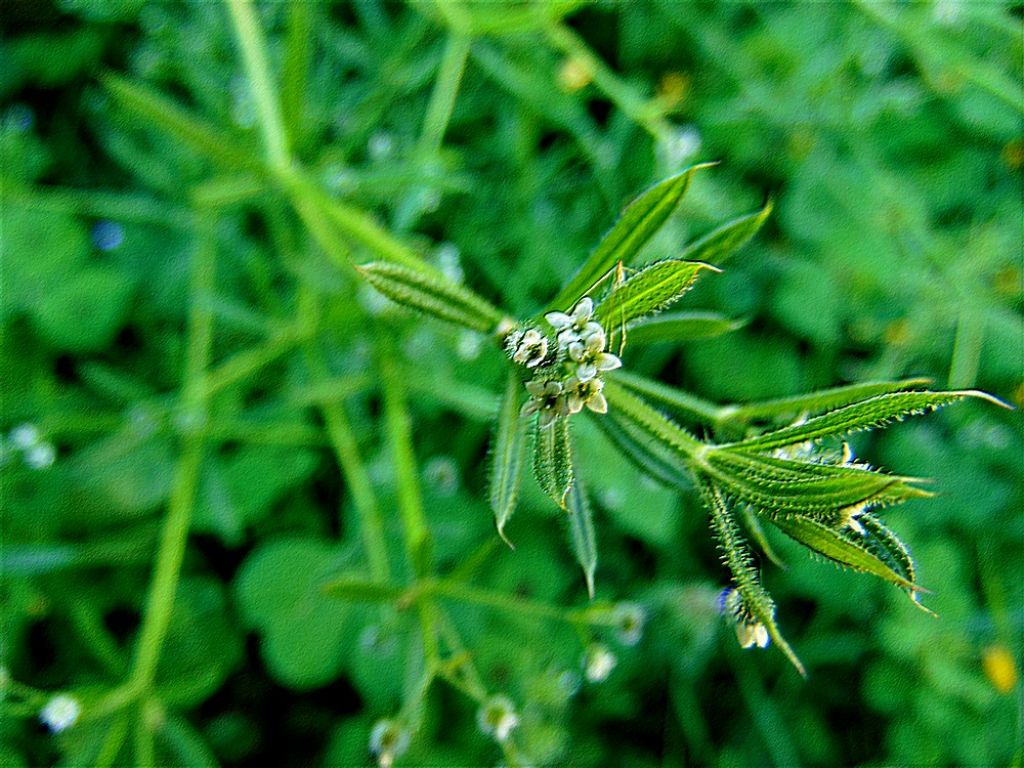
181, 326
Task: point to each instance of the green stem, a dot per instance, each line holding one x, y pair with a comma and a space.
502, 602
254, 56
160, 603
442, 98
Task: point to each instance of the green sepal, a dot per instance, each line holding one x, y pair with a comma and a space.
432, 295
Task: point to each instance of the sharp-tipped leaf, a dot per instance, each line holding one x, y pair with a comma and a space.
720, 244
649, 291
507, 455
552, 459
681, 326
842, 547
813, 403
650, 456
175, 121
432, 295
637, 224
867, 414
581, 530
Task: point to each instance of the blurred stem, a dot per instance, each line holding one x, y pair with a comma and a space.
145, 754
254, 57
503, 602
963, 368
767, 720
112, 742
623, 95
173, 537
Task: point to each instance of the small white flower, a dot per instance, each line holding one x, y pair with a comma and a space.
41, 456
749, 631
528, 347
497, 717
750, 635
60, 713
585, 393
25, 436
629, 622
388, 741
576, 325
547, 399
599, 662
590, 358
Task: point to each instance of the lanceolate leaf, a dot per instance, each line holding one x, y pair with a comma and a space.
720, 244
640, 220
650, 290
866, 414
581, 529
842, 547
649, 421
652, 457
507, 457
552, 460
737, 558
681, 326
432, 295
813, 403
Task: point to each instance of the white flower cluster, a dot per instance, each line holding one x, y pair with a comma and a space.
25, 439
568, 371
749, 631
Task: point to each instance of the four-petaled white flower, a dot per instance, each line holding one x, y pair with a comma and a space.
528, 347
60, 712
590, 358
576, 325
585, 393
547, 399
497, 717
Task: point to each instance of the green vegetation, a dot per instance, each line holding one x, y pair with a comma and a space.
346, 420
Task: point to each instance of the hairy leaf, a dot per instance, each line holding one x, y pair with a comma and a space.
650, 456
581, 529
507, 455
681, 326
867, 414
649, 291
432, 295
552, 459
720, 244
845, 547
639, 221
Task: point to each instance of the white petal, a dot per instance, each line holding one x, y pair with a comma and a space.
552, 387
607, 362
576, 351
575, 403
761, 636
536, 388
595, 342
586, 371
558, 320
745, 635
583, 310
597, 403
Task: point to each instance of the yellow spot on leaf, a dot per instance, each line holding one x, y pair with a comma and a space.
1000, 668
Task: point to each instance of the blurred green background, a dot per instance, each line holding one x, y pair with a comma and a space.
180, 329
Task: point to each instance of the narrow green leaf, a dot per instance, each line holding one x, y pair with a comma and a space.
651, 457
757, 534
175, 121
552, 459
650, 421
507, 455
358, 589
650, 290
812, 403
681, 326
737, 558
839, 547
432, 295
721, 243
581, 529
637, 224
674, 399
867, 414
